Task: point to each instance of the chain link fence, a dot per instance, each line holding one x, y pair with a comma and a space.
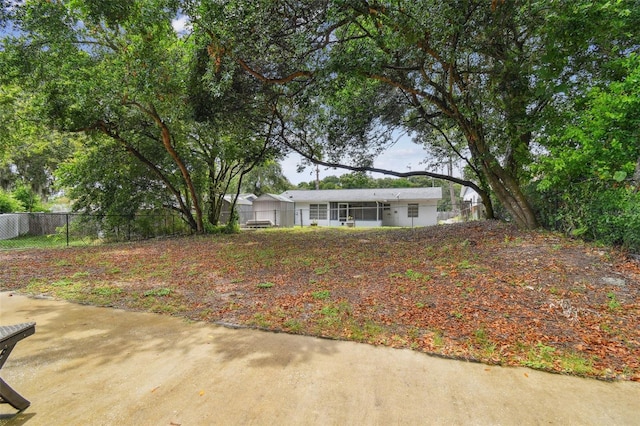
31, 230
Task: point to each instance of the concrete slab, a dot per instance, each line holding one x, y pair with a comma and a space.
99, 366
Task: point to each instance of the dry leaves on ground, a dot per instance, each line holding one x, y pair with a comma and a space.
481, 291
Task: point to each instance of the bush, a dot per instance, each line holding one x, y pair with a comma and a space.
590, 211
30, 200
8, 204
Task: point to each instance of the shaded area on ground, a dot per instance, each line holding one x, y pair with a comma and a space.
90, 365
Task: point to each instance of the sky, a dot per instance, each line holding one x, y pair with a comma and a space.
404, 156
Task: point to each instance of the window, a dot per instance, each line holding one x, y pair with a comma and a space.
412, 210
318, 212
334, 210
363, 211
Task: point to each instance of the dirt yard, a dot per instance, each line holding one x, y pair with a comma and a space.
481, 291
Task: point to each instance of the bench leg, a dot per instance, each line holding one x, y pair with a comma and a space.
13, 398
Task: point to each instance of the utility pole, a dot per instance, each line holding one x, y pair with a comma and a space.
452, 192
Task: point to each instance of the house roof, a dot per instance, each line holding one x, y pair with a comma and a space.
243, 199
271, 197
373, 194
468, 194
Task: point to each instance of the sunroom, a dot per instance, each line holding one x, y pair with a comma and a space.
365, 207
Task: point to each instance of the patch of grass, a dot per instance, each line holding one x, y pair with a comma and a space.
102, 296
438, 339
64, 288
260, 320
293, 325
44, 241
106, 291
265, 285
321, 294
158, 292
465, 264
62, 283
160, 272
266, 256
487, 347
468, 291
540, 357
415, 275
367, 332
334, 315
613, 304
576, 364
322, 270
329, 311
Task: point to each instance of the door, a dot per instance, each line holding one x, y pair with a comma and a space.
343, 212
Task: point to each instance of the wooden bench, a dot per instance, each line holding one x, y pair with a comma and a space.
259, 224
9, 336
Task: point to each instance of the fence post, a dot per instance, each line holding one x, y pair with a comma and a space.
301, 225
67, 222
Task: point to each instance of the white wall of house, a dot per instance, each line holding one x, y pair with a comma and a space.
411, 213
280, 213
387, 214
266, 210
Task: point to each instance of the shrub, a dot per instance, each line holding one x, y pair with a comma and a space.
8, 204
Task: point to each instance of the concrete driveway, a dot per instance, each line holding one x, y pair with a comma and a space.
99, 366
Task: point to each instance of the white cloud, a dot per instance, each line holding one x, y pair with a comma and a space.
181, 24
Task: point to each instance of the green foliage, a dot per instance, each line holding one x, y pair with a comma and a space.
8, 204
158, 292
175, 132
265, 285
613, 304
30, 200
591, 175
321, 294
265, 179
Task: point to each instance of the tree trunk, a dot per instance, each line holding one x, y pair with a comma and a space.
166, 140
184, 209
504, 186
168, 145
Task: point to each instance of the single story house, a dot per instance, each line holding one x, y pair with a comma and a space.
273, 208
365, 207
244, 207
472, 207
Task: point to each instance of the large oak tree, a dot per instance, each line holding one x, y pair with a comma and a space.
491, 71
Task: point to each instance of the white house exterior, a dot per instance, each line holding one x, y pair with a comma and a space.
273, 208
366, 207
244, 207
472, 207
